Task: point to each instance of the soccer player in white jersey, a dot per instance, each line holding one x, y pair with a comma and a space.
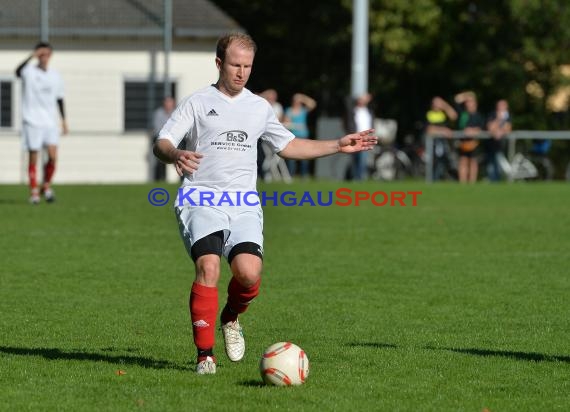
42, 95
221, 125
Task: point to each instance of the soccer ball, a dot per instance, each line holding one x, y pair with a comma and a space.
284, 364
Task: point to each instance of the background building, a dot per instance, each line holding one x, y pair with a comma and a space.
110, 54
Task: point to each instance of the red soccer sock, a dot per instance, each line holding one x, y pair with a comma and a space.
32, 175
203, 311
239, 298
49, 170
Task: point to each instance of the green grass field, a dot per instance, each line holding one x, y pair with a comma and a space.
461, 303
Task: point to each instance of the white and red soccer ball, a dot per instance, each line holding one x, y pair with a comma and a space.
284, 364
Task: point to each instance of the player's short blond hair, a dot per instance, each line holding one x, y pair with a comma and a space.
224, 42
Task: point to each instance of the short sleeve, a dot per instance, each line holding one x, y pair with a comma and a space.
276, 135
179, 124
26, 71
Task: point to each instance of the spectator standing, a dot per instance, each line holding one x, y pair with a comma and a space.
499, 125
272, 98
159, 118
438, 120
296, 121
359, 117
472, 124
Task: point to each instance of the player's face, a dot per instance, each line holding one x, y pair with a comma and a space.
44, 55
235, 69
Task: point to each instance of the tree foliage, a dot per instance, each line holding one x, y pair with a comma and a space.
302, 47
498, 48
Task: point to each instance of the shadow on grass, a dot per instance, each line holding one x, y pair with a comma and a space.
523, 356
9, 201
252, 383
58, 354
376, 345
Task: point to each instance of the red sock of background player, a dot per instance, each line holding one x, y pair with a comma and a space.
203, 311
239, 298
32, 176
49, 170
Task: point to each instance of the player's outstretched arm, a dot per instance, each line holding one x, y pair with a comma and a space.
183, 160
302, 149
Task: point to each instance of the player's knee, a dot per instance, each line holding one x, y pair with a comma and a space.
248, 279
246, 263
208, 270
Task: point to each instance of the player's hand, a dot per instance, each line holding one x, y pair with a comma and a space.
64, 129
187, 161
357, 142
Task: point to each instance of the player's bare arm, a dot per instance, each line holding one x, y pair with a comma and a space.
23, 64
302, 149
183, 160
307, 101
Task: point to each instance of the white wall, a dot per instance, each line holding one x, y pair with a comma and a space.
94, 81
112, 158
98, 149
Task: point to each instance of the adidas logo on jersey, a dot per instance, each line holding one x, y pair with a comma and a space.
212, 113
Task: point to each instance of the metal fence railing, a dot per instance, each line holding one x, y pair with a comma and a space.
511, 138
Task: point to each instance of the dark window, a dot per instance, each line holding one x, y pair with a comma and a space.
140, 103
5, 104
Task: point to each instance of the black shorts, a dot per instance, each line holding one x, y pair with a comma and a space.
470, 154
213, 244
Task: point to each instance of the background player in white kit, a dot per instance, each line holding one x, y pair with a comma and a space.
42, 95
221, 124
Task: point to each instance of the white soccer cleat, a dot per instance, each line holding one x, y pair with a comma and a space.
233, 338
35, 197
49, 195
206, 367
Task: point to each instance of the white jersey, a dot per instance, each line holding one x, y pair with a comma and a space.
42, 89
225, 130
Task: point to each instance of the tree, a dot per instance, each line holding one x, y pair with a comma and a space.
302, 47
498, 48
501, 49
